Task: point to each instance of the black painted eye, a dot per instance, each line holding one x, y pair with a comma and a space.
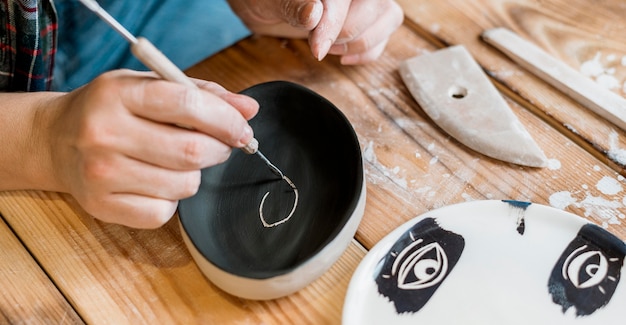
588, 271
419, 267
417, 264
584, 268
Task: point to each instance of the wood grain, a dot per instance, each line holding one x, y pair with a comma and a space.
117, 275
576, 32
28, 296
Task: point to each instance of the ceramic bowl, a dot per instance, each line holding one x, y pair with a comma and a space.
315, 146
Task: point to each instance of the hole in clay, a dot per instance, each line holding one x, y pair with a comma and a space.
457, 92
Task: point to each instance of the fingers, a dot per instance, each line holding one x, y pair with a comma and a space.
364, 40
329, 27
218, 115
247, 106
132, 210
120, 174
362, 35
121, 190
177, 148
282, 18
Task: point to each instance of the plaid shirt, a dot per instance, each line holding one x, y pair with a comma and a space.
27, 44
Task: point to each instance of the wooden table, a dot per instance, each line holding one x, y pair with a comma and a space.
62, 266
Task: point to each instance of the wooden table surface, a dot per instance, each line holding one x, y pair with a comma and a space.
61, 266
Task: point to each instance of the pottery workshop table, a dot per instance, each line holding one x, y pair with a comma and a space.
61, 266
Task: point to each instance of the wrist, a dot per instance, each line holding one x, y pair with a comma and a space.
25, 123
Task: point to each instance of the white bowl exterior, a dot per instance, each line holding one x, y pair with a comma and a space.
283, 285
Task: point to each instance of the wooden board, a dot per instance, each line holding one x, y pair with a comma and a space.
28, 296
116, 275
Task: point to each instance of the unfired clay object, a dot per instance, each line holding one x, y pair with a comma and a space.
314, 145
457, 95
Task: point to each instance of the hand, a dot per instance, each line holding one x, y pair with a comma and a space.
356, 30
118, 151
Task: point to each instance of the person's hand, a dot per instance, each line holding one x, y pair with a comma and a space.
117, 149
356, 30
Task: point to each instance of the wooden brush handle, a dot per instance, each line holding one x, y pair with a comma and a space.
154, 59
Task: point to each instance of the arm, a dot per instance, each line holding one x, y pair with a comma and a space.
356, 30
114, 146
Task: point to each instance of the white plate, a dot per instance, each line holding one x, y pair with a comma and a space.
491, 262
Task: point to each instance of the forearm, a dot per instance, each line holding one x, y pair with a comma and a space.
25, 157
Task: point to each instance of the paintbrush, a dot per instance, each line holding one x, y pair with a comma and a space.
154, 59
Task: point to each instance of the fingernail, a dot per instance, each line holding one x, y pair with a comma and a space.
323, 49
246, 135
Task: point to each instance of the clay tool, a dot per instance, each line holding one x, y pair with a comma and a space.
458, 96
154, 59
585, 91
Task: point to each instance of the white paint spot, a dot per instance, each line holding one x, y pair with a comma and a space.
609, 186
593, 67
467, 197
418, 155
599, 206
561, 200
431, 147
423, 190
608, 81
615, 152
603, 76
554, 164
433, 160
624, 60
370, 156
596, 168
368, 152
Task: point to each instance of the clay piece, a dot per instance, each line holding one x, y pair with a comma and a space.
456, 94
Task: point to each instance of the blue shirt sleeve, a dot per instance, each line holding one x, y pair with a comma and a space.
185, 31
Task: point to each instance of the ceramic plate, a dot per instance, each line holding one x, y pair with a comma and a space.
491, 262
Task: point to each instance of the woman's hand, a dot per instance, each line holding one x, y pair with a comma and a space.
114, 144
356, 30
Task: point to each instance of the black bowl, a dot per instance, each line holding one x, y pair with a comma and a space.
315, 146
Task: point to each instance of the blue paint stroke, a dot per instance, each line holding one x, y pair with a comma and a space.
521, 222
518, 204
